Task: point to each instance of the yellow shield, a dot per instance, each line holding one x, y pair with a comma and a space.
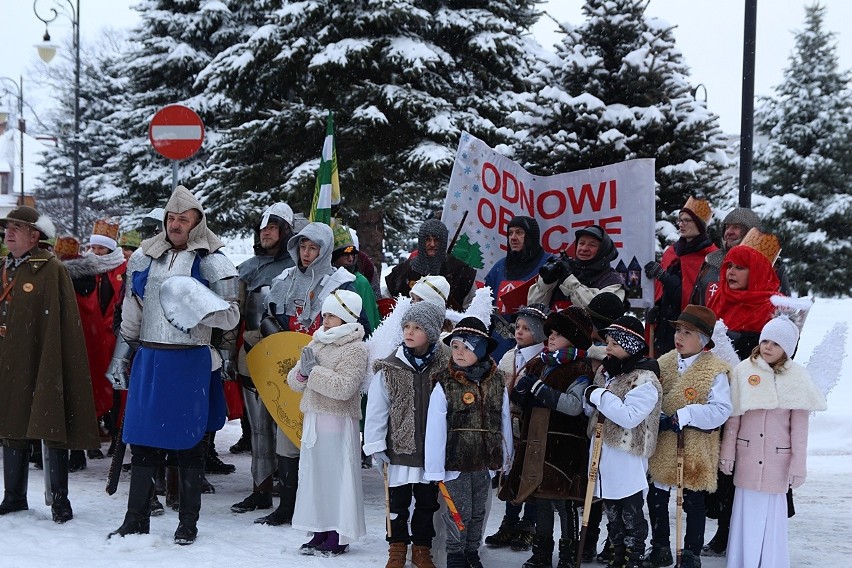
269, 362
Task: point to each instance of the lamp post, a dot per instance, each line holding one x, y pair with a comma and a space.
46, 50
22, 124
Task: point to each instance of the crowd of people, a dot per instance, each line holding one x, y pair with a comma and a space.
563, 402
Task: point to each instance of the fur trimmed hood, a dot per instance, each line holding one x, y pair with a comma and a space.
90, 264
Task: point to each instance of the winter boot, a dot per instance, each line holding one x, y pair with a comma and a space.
190, 505
160, 480
590, 547
568, 549
212, 463
718, 544
456, 560
633, 557
542, 553
137, 519
260, 498
172, 488
505, 534
61, 507
690, 560
288, 472
206, 486
421, 557
77, 461
396, 555
523, 536
331, 546
157, 508
658, 557
96, 454
15, 476
471, 558
35, 454
606, 553
616, 556
308, 548
244, 443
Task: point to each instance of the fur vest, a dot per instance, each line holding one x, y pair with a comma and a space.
553, 466
474, 419
701, 448
755, 386
408, 393
333, 386
638, 441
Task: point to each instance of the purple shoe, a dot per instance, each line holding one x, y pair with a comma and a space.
331, 546
308, 548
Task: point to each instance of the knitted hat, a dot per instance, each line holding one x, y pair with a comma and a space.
782, 331
431, 288
629, 333
572, 323
698, 318
30, 216
742, 216
66, 247
473, 331
534, 316
429, 316
105, 234
604, 309
700, 211
130, 239
345, 304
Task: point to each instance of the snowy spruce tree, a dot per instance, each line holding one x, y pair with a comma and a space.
805, 168
403, 78
619, 89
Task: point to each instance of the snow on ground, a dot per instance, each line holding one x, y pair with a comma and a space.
820, 533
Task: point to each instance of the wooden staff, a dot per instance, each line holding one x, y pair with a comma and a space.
451, 505
679, 509
387, 499
590, 485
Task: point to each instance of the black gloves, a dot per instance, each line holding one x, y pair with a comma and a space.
653, 269
669, 423
555, 269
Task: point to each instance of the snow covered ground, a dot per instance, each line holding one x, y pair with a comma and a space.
820, 533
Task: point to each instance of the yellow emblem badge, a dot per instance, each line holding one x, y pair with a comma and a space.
754, 380
690, 393
468, 398
28, 287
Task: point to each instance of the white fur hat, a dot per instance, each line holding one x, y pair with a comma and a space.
434, 289
344, 304
782, 331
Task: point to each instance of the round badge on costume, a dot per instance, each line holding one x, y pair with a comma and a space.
119, 277
28, 287
754, 380
468, 398
690, 393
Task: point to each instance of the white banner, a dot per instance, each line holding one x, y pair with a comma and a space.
492, 189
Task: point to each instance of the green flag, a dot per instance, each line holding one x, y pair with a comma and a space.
327, 187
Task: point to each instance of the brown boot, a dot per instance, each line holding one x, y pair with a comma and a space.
421, 556
396, 555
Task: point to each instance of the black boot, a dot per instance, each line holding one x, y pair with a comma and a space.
568, 549
212, 463
456, 560
190, 505
137, 520
61, 507
260, 498
172, 488
244, 443
15, 475
617, 557
288, 473
524, 536
590, 547
471, 558
542, 553
77, 461
633, 556
504, 535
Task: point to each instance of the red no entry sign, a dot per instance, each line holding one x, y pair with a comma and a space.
176, 132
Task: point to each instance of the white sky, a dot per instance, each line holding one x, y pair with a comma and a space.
709, 33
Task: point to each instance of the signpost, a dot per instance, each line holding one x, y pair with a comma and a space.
176, 132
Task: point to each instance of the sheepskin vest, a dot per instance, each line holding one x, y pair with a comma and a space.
474, 420
701, 448
408, 392
641, 440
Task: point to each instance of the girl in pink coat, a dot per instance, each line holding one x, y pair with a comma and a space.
765, 443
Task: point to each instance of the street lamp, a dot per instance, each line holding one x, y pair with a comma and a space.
46, 50
22, 124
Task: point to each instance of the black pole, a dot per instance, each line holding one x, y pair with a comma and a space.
22, 129
76, 148
747, 120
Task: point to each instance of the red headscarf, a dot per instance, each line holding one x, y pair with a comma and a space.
750, 309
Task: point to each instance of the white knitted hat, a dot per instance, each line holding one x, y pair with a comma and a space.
782, 331
434, 289
344, 304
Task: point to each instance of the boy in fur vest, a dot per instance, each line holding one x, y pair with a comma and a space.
395, 430
552, 460
695, 395
529, 342
626, 397
468, 435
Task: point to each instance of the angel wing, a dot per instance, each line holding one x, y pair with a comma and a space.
480, 307
724, 348
827, 358
386, 338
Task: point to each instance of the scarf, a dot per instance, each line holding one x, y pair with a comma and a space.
615, 367
750, 309
683, 247
421, 362
475, 372
561, 356
333, 334
587, 271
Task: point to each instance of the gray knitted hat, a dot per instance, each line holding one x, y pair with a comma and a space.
428, 316
534, 317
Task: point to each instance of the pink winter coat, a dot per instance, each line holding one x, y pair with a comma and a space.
767, 433
769, 446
